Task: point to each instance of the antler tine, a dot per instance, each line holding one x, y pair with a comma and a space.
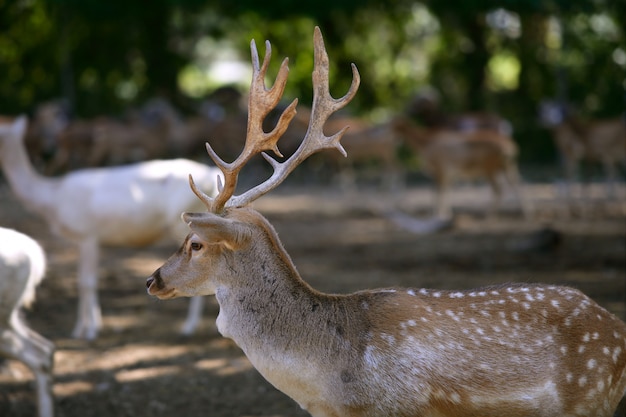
208, 201
261, 101
314, 140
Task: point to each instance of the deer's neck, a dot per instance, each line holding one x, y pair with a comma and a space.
36, 192
307, 344
258, 299
274, 315
293, 335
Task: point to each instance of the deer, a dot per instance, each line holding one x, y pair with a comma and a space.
448, 155
601, 141
116, 142
363, 143
49, 120
112, 206
376, 142
70, 143
425, 106
22, 267
512, 350
181, 132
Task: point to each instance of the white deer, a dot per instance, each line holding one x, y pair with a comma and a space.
114, 206
515, 350
22, 267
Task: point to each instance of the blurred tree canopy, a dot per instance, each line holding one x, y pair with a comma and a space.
506, 55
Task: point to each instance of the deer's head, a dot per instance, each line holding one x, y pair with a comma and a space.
221, 236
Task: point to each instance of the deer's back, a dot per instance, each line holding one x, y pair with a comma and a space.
468, 154
536, 349
130, 205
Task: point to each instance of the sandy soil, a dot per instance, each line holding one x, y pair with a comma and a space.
141, 366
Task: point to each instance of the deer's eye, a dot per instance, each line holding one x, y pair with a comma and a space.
195, 246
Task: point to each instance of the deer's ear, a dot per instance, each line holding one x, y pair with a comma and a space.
212, 228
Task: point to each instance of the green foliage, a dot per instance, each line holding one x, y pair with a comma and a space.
24, 54
503, 56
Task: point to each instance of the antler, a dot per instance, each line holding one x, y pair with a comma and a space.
260, 103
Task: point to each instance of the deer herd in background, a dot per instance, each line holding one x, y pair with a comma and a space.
118, 170
449, 147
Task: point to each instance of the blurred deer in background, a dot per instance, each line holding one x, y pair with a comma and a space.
50, 119
183, 133
448, 155
22, 267
601, 141
425, 107
364, 143
370, 143
514, 350
67, 143
117, 142
74, 148
117, 206
227, 116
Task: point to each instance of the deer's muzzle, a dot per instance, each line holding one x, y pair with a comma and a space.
155, 283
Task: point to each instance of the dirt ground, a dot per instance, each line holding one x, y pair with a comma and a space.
141, 366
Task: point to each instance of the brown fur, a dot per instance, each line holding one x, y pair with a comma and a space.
602, 141
448, 155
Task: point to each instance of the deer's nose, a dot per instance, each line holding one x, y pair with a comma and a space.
155, 281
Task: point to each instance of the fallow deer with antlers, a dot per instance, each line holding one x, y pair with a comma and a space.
514, 350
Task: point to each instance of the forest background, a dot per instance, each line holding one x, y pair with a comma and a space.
503, 56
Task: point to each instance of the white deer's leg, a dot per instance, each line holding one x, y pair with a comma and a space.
45, 401
89, 318
42, 351
25, 332
194, 314
38, 356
